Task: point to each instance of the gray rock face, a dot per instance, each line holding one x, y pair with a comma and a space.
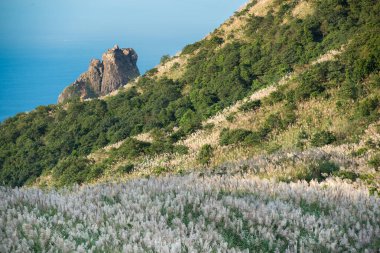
117, 68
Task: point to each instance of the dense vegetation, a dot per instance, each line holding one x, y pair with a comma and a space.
192, 214
58, 137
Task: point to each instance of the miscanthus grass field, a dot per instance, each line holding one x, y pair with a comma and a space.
192, 214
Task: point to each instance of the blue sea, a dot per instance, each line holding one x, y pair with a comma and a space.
30, 77
45, 45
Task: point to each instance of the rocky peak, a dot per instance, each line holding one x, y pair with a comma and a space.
117, 68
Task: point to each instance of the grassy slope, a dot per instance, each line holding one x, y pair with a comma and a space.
257, 164
313, 78
282, 143
351, 152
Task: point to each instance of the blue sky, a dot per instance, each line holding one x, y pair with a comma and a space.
52, 23
46, 44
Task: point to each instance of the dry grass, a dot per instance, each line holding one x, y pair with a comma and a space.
329, 56
146, 137
250, 121
303, 9
261, 8
313, 114
169, 70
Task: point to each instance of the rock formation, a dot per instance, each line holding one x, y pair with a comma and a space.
117, 68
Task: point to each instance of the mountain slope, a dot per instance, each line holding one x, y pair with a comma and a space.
257, 47
262, 137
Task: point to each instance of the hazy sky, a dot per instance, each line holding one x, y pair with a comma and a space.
46, 44
59, 22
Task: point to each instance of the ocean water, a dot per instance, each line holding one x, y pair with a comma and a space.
45, 45
30, 77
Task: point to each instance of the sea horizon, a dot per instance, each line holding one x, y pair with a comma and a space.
42, 51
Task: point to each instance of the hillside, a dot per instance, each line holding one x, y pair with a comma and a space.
276, 111
320, 66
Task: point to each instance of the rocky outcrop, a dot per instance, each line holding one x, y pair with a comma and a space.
117, 68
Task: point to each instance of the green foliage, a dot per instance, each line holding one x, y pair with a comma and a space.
369, 107
274, 122
160, 170
275, 97
317, 171
231, 117
31, 143
359, 152
189, 49
345, 174
71, 170
190, 121
181, 149
131, 148
209, 126
175, 66
128, 168
279, 121
228, 137
322, 138
212, 79
165, 58
151, 72
321, 170
251, 105
309, 86
205, 154
96, 171
374, 162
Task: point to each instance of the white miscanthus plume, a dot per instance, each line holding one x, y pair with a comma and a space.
175, 214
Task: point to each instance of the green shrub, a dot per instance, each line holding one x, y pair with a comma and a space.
318, 171
205, 154
253, 138
288, 115
165, 58
151, 72
347, 175
209, 126
190, 121
189, 49
176, 136
128, 168
374, 162
275, 97
159, 147
228, 137
369, 107
273, 121
322, 138
96, 171
322, 170
175, 66
359, 152
349, 91
160, 170
310, 85
251, 105
215, 41
71, 170
181, 149
131, 148
230, 117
